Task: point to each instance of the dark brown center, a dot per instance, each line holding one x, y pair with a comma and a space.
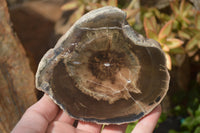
105, 64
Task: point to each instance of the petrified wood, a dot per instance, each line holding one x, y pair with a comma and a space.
102, 71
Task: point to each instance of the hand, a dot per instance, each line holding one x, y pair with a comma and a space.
45, 116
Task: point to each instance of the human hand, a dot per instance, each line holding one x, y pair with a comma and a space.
45, 116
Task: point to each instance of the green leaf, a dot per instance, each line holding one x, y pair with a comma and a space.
131, 4
177, 108
197, 112
197, 130
169, 61
188, 123
152, 35
179, 50
147, 26
172, 131
174, 43
154, 23
70, 6
197, 20
198, 44
184, 35
131, 20
186, 21
190, 111
92, 6
166, 30
131, 13
188, 8
75, 16
174, 6
197, 120
150, 24
193, 42
182, 5
162, 118
130, 127
112, 3
161, 16
192, 52
176, 24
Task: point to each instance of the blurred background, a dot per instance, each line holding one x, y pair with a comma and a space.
28, 28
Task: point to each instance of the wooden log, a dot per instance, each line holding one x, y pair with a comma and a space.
16, 78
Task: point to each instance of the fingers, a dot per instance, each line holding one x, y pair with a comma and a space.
37, 117
89, 127
46, 108
64, 117
148, 123
60, 127
115, 128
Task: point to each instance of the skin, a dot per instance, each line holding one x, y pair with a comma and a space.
45, 116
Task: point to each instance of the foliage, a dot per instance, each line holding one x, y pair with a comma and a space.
178, 32
182, 13
164, 36
130, 127
162, 118
189, 110
83, 6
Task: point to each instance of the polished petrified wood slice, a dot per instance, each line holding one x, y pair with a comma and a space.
102, 71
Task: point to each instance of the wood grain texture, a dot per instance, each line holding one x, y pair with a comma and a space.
102, 71
16, 78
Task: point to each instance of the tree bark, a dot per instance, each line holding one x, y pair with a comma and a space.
16, 78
